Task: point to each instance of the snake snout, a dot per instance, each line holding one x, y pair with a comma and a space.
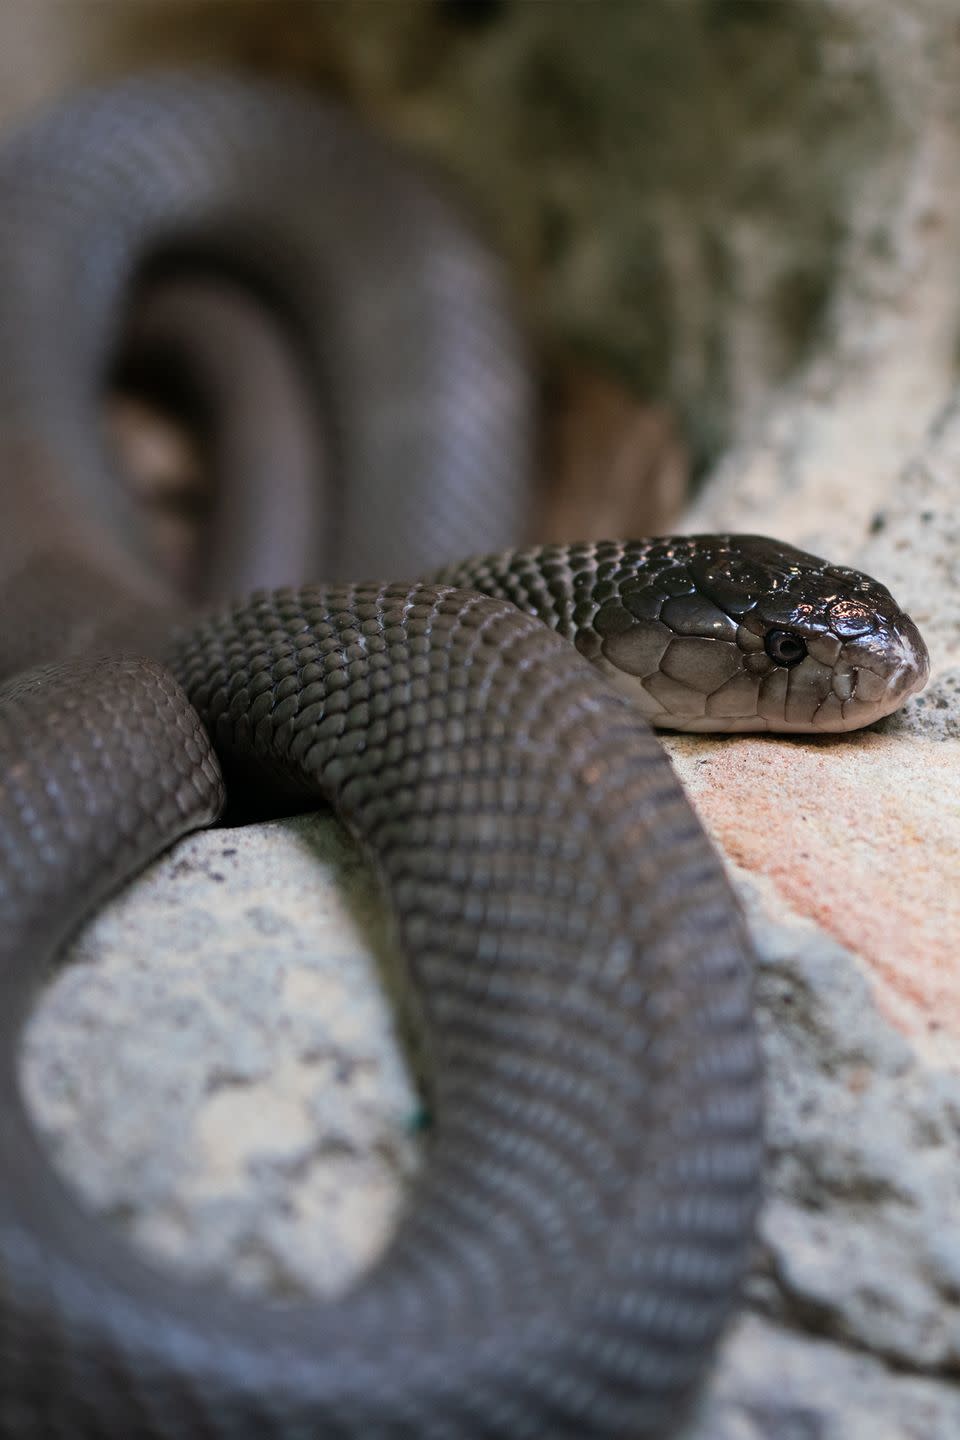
914, 661
882, 670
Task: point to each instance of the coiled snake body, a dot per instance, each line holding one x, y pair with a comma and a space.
577, 1241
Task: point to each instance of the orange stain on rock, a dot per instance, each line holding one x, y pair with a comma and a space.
860, 833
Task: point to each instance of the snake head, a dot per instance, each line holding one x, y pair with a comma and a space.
739, 632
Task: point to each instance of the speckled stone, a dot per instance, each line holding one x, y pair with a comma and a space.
257, 1119
777, 1383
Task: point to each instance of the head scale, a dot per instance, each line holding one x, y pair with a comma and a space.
738, 632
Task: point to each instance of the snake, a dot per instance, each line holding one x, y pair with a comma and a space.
578, 1238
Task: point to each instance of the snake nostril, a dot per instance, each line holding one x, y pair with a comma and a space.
784, 648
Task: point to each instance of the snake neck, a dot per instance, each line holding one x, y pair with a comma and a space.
562, 585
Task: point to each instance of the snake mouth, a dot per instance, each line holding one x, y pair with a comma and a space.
915, 668
877, 690
911, 663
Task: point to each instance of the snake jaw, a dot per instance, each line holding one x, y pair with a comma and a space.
868, 688
915, 663
885, 677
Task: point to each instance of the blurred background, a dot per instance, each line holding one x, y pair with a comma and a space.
669, 181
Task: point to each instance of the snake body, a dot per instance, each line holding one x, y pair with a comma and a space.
569, 1258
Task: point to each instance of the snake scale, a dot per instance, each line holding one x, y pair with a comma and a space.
569, 1258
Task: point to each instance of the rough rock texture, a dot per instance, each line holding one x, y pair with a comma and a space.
855, 1293
257, 1114
859, 456
751, 211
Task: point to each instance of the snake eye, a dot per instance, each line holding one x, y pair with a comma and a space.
784, 648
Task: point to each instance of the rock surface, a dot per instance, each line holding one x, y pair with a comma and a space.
257, 1119
847, 852
779, 259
